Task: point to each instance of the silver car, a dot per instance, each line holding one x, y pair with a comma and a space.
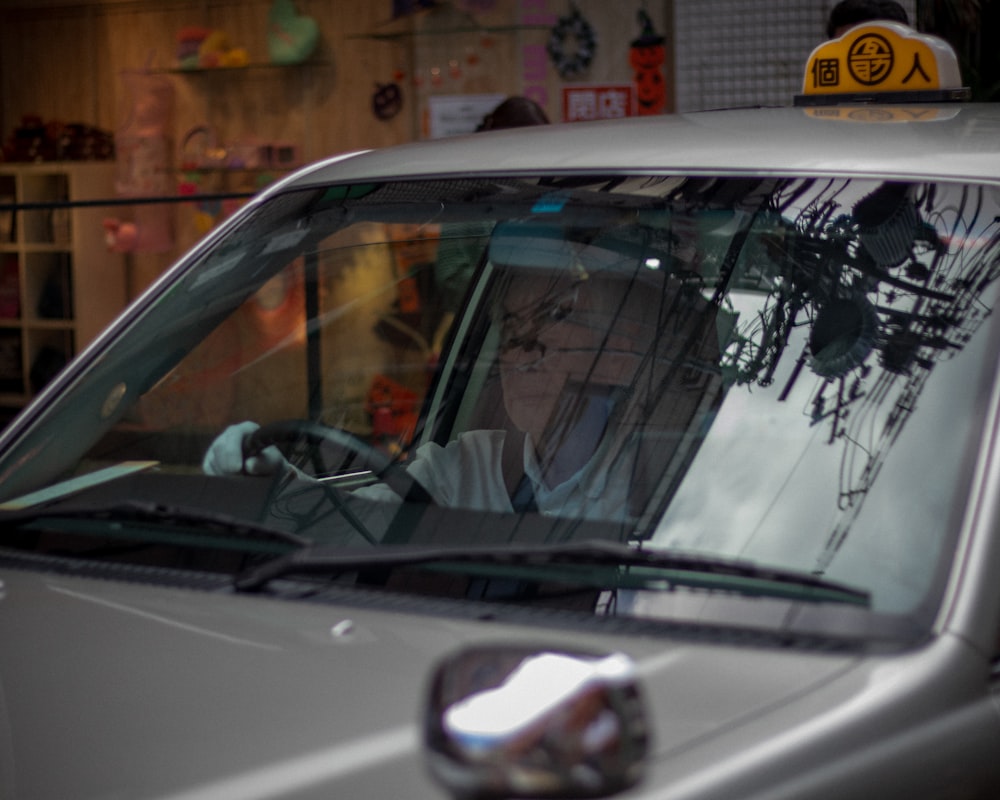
656, 457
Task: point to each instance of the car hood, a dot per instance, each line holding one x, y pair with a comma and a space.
112, 689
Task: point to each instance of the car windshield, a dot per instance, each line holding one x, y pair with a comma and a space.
757, 377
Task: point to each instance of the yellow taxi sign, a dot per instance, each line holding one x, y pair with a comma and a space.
882, 58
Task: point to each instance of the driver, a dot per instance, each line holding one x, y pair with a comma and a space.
595, 361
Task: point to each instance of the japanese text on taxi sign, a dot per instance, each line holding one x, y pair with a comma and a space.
882, 57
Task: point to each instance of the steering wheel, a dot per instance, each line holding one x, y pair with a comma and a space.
301, 440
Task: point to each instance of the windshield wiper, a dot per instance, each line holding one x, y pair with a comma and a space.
157, 523
624, 565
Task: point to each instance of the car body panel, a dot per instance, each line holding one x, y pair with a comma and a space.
276, 681
768, 141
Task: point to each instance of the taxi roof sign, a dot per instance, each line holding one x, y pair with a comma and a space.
882, 62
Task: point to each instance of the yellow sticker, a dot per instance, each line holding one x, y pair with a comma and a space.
882, 57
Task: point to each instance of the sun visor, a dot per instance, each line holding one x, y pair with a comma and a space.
530, 245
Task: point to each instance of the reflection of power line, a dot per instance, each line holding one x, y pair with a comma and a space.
856, 482
854, 486
886, 291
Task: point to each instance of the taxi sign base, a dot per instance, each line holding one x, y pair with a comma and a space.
960, 95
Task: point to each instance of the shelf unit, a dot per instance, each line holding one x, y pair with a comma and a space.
59, 285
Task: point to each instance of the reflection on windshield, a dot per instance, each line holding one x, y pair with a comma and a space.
720, 366
885, 287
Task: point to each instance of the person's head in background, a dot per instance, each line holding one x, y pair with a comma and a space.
849, 13
514, 112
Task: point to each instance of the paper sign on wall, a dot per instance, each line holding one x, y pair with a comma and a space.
591, 102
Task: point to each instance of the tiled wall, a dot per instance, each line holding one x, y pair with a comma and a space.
746, 52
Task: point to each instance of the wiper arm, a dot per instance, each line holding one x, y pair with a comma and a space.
635, 567
167, 523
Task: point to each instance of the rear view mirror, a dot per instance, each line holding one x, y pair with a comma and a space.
548, 246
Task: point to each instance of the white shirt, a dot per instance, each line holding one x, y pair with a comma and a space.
468, 473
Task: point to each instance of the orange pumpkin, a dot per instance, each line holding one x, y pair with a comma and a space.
651, 91
646, 56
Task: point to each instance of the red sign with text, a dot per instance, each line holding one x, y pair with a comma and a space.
585, 103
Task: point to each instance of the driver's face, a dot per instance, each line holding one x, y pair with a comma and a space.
563, 334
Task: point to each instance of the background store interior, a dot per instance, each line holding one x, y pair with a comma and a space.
182, 99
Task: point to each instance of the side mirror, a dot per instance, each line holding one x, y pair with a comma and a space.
522, 722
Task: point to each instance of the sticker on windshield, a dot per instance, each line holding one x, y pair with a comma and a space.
550, 204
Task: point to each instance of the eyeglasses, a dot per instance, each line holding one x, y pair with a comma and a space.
524, 328
528, 343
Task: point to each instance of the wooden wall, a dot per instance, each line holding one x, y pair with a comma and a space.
68, 60
65, 61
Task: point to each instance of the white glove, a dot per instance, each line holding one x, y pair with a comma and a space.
225, 455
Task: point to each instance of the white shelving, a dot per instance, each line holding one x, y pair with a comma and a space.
59, 285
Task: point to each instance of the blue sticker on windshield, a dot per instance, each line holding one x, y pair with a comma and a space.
550, 204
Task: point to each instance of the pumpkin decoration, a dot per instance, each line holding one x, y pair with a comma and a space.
387, 101
646, 57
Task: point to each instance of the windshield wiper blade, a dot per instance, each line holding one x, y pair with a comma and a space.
637, 568
179, 524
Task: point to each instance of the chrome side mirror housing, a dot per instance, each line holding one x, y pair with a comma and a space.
521, 722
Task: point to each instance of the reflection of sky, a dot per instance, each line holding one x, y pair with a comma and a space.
539, 685
765, 484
